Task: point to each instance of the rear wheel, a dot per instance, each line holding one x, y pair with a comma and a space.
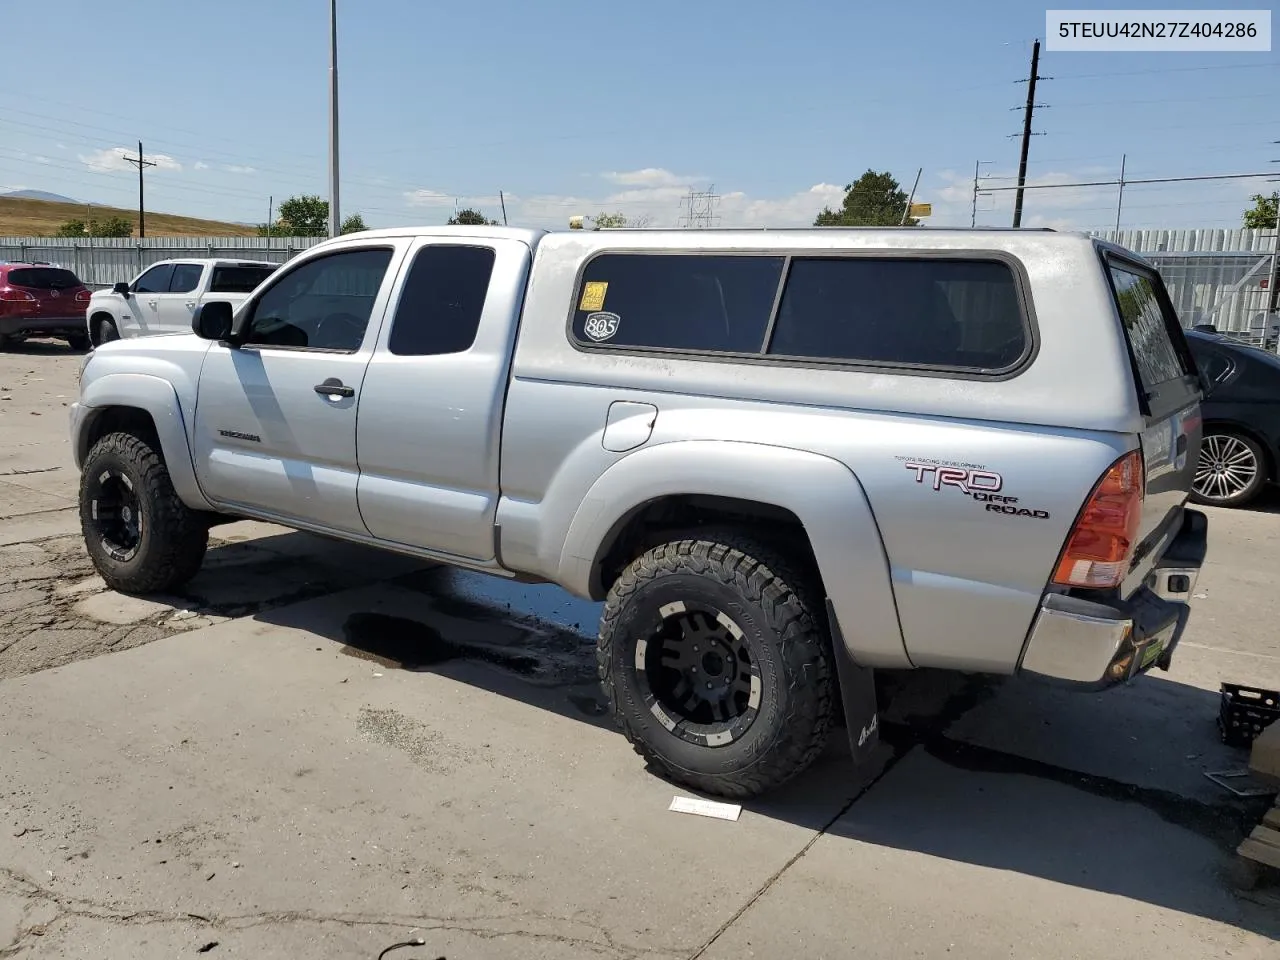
78, 341
140, 536
107, 331
717, 664
1232, 470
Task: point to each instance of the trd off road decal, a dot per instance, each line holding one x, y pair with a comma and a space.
972, 480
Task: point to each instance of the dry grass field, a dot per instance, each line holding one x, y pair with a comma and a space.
20, 217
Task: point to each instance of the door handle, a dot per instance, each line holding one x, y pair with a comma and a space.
191, 304
152, 303
334, 387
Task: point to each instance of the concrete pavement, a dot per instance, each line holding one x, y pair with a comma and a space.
282, 762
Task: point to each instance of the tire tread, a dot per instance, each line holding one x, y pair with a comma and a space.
770, 579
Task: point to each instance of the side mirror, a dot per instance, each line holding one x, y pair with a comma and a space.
212, 320
121, 288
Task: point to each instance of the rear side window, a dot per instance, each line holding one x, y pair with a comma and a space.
689, 302
186, 277
928, 312
1150, 330
44, 278
238, 279
443, 297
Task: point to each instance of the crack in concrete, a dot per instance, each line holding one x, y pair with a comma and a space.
82, 908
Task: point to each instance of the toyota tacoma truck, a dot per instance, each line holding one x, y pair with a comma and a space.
784, 460
163, 298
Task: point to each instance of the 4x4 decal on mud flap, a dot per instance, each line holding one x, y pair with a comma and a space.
973, 480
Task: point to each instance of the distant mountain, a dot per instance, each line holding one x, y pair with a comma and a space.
39, 195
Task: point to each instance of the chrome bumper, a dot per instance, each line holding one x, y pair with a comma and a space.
1099, 644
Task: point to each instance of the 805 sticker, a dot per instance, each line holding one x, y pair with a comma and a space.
601, 326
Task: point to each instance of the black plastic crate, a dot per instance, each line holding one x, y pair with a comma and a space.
1246, 712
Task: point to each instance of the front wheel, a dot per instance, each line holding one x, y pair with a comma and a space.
717, 665
140, 536
1232, 470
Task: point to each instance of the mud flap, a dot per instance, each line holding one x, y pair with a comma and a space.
857, 696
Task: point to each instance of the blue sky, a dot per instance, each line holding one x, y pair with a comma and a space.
575, 107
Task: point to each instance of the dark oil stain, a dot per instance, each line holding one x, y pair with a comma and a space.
399, 642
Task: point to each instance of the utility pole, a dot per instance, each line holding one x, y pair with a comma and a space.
1026, 132
911, 196
141, 163
271, 209
503, 200
335, 218
973, 212
1120, 196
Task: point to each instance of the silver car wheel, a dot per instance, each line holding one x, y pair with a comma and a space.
1227, 468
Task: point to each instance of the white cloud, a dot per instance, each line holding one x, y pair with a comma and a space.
797, 210
61, 146
200, 165
237, 168
39, 159
428, 198
650, 177
112, 158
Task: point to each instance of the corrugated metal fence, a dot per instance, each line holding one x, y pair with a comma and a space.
103, 261
1214, 276
1218, 277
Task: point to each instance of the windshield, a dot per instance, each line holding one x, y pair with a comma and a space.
44, 278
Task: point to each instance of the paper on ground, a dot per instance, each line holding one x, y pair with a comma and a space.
706, 808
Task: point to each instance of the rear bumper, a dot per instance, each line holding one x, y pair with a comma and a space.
1094, 644
35, 326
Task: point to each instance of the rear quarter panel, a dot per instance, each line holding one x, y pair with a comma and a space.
966, 580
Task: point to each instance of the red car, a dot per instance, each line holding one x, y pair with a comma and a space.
41, 300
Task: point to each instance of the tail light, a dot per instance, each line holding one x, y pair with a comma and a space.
1102, 541
10, 294
83, 296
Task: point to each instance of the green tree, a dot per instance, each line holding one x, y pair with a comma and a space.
873, 200
304, 216
307, 216
1262, 215
471, 218
110, 227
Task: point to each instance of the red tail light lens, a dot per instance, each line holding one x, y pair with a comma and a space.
1102, 541
83, 296
10, 294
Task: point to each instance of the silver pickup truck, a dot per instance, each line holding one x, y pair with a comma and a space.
783, 459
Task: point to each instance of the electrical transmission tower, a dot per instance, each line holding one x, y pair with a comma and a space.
699, 208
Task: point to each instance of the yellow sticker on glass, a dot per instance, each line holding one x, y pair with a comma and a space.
593, 295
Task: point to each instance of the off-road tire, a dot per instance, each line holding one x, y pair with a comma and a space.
778, 607
107, 331
78, 341
172, 537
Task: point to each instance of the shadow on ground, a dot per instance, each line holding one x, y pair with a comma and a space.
1099, 792
40, 348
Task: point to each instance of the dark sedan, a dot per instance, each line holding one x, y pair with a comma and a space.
1241, 448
